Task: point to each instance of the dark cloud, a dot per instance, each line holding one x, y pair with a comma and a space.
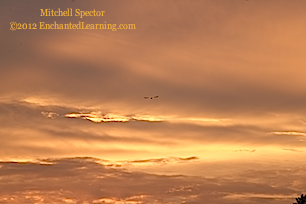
163, 160
188, 158
85, 176
87, 179
293, 150
98, 117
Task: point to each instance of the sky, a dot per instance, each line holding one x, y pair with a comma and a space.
228, 125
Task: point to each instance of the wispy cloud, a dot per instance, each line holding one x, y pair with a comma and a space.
72, 129
293, 150
289, 133
162, 160
49, 114
244, 150
98, 117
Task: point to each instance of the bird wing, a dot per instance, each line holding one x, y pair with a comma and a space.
146, 97
155, 96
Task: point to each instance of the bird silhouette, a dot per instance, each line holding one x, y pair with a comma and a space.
150, 97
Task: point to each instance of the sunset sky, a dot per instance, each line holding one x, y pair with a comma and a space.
228, 126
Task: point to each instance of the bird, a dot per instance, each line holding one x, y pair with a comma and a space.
150, 97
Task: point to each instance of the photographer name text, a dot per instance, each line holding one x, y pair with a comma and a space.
70, 12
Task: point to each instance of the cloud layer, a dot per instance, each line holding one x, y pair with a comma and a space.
88, 180
228, 125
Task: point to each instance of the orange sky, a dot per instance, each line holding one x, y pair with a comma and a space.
228, 125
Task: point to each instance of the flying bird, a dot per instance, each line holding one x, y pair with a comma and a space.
150, 97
